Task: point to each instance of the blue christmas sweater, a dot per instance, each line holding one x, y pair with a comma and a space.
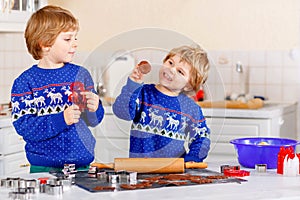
162, 126
39, 97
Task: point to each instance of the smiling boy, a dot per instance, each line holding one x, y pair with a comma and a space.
55, 129
166, 122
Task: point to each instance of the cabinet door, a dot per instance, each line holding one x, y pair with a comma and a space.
113, 127
225, 129
108, 149
14, 164
112, 139
288, 126
10, 141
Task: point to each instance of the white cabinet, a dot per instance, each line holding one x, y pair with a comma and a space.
225, 129
112, 138
273, 120
12, 155
14, 20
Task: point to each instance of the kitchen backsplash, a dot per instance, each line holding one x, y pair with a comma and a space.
13, 60
272, 74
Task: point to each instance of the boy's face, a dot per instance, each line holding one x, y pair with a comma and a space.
64, 47
174, 75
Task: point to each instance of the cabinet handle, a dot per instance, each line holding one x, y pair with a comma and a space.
25, 165
281, 121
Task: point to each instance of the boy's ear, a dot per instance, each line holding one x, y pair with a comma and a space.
43, 47
188, 88
46, 49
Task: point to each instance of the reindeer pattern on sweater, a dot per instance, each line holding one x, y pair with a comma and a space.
162, 126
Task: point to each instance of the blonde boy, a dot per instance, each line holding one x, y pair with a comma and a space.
166, 122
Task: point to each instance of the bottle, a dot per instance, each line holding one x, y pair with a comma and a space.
280, 160
200, 95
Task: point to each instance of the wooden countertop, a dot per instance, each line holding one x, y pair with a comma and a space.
269, 110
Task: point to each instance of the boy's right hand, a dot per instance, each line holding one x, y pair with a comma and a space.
72, 114
139, 71
136, 75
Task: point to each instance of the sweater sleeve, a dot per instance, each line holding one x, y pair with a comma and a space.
29, 125
126, 103
94, 118
200, 145
38, 128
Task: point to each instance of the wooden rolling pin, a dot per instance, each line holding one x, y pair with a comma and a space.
151, 165
251, 104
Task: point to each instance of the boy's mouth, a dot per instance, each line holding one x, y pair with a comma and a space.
167, 76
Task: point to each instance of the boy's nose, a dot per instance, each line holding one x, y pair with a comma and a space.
75, 44
173, 70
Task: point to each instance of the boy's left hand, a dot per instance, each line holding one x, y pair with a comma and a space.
92, 100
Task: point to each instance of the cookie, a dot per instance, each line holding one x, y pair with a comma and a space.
144, 67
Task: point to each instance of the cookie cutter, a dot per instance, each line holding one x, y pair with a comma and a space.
19, 195
261, 167
232, 167
102, 176
56, 190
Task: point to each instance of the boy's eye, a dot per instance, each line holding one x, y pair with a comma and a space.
181, 72
170, 62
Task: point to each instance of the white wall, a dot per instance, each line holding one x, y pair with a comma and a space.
217, 24
259, 33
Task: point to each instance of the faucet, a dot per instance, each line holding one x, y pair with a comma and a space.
100, 89
243, 78
239, 67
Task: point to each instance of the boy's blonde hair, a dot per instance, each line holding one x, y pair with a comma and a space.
45, 25
197, 58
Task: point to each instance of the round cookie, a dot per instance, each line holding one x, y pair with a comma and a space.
144, 67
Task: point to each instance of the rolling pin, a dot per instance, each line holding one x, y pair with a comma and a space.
151, 165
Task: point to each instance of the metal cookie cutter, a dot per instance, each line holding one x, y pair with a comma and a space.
56, 190
102, 176
123, 177
66, 183
69, 168
232, 167
70, 172
113, 177
132, 177
92, 173
261, 167
42, 184
19, 195
7, 183
31, 183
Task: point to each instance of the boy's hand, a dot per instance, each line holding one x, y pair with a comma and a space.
139, 70
136, 75
72, 114
92, 100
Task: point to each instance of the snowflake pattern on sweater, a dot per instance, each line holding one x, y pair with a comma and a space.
39, 97
162, 126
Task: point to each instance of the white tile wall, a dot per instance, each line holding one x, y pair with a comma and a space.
13, 60
273, 74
